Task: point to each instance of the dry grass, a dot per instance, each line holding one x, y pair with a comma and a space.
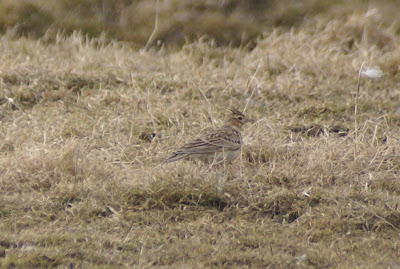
85, 126
228, 22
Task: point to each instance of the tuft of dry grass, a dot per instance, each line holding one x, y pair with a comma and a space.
85, 126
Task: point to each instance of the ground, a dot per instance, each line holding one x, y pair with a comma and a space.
86, 125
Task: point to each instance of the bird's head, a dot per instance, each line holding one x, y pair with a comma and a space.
237, 119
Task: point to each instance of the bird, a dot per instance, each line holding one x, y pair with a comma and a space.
222, 145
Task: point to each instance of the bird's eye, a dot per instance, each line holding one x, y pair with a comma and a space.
240, 118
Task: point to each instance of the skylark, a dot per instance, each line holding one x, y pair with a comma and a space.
222, 145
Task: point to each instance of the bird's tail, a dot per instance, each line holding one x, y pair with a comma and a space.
175, 157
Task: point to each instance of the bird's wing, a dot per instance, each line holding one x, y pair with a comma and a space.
214, 142
197, 147
225, 139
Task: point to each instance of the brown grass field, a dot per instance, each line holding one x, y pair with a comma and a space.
86, 124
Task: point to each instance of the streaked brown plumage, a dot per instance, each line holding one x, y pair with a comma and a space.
224, 144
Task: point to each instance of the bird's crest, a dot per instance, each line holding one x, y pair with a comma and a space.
235, 111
